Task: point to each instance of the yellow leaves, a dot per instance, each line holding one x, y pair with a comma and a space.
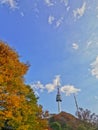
5, 51
1, 113
1, 79
8, 114
10, 66
13, 100
23, 127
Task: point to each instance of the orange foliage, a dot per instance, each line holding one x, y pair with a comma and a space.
14, 94
12, 88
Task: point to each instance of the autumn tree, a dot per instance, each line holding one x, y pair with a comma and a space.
18, 104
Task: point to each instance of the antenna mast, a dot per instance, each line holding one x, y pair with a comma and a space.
76, 102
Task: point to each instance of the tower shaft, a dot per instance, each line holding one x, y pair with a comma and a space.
58, 100
59, 107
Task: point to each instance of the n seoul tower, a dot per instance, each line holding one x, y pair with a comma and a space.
58, 99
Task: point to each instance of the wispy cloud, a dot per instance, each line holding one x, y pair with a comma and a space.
65, 2
11, 3
75, 46
49, 3
68, 8
51, 19
55, 21
59, 22
38, 86
94, 70
89, 43
96, 97
69, 89
79, 12
22, 14
36, 9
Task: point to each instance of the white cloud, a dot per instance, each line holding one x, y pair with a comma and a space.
89, 43
36, 94
65, 2
38, 86
69, 89
94, 70
49, 3
36, 10
59, 22
79, 12
68, 8
51, 19
75, 46
50, 87
56, 81
11, 3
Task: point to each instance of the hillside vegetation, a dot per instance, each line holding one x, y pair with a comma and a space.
66, 121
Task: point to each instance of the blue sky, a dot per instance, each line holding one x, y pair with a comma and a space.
59, 38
